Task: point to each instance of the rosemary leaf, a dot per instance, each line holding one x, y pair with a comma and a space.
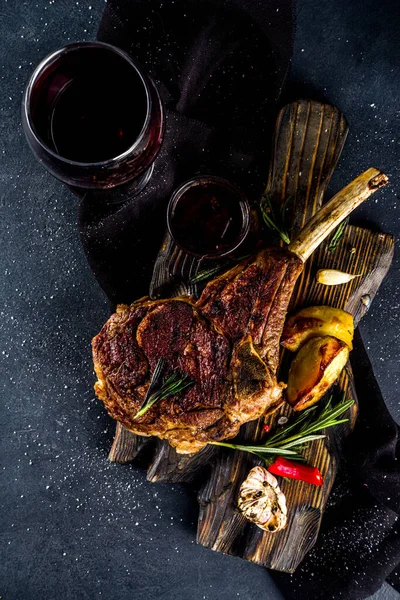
303, 440
258, 450
274, 221
337, 236
174, 384
206, 273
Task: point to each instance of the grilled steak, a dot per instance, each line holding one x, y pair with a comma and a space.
227, 343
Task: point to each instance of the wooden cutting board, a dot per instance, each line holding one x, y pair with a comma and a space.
308, 141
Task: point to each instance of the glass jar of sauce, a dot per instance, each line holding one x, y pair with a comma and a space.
208, 217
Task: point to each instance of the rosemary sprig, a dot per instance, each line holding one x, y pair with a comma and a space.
337, 236
275, 221
304, 429
206, 273
174, 384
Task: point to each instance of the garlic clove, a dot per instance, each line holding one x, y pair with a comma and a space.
262, 502
366, 300
334, 277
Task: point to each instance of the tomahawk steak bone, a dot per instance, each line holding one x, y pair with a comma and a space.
226, 342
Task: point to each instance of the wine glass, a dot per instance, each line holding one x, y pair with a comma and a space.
93, 118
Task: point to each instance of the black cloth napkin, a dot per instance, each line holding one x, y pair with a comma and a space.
220, 66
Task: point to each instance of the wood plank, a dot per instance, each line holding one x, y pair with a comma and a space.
126, 446
172, 467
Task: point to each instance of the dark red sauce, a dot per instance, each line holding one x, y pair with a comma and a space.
208, 218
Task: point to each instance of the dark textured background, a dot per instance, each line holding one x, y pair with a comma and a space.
72, 525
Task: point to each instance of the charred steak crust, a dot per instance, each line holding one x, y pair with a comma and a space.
227, 343
126, 352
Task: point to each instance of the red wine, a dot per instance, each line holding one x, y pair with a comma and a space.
92, 110
208, 218
93, 118
93, 122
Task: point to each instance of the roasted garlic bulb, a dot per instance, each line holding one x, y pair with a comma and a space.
262, 502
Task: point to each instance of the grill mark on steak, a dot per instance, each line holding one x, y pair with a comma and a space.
215, 286
230, 305
269, 348
120, 356
177, 333
274, 271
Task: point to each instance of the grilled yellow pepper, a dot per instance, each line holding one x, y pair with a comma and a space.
317, 321
314, 369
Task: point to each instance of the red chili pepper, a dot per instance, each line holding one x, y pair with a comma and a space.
266, 428
293, 470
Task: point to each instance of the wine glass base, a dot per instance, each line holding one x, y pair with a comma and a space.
125, 191
141, 182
